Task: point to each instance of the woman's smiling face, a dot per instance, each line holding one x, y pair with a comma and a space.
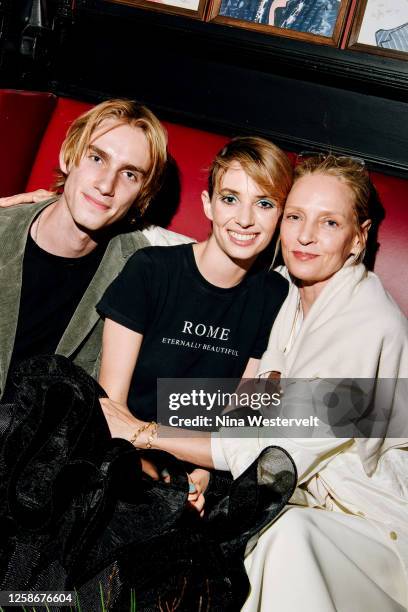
318, 229
244, 218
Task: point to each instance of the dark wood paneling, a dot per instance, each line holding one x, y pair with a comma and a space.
235, 81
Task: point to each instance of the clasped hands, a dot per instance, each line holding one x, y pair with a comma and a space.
122, 424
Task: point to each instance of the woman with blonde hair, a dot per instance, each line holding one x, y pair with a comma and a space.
342, 543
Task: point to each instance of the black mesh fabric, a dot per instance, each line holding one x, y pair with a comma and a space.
6, 414
77, 512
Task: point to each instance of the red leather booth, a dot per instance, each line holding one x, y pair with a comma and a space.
33, 125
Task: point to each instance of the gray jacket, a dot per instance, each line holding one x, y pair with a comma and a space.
82, 338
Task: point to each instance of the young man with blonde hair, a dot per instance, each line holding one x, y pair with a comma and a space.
58, 256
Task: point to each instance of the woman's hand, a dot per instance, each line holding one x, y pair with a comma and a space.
26, 198
200, 478
198, 482
121, 422
149, 468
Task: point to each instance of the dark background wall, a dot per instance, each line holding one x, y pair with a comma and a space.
220, 78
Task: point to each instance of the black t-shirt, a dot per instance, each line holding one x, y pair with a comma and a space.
51, 290
191, 328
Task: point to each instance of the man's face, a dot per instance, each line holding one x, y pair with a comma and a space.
104, 185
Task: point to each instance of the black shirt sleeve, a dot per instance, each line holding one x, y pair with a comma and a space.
276, 290
127, 300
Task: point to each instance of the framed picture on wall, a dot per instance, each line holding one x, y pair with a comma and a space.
189, 8
319, 21
381, 27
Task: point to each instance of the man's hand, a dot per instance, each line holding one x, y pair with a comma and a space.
26, 198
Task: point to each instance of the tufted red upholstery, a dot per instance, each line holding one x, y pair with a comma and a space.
194, 149
47, 157
391, 263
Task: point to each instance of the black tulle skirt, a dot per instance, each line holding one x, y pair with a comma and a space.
77, 512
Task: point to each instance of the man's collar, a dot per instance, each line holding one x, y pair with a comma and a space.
15, 225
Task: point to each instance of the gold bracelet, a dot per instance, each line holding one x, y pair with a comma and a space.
153, 435
138, 432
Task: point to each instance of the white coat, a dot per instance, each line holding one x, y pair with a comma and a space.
350, 552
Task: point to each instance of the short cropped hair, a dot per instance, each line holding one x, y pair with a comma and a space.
266, 164
80, 133
353, 173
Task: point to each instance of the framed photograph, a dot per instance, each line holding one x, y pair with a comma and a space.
319, 21
381, 27
189, 8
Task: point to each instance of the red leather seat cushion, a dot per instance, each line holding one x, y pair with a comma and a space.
391, 263
42, 174
23, 119
194, 151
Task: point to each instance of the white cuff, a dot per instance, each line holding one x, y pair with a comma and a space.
217, 453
